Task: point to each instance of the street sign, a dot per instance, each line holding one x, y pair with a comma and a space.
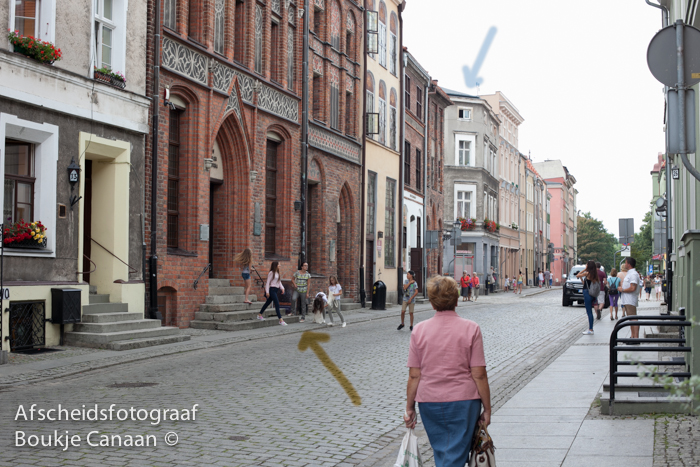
626, 231
662, 58
626, 251
432, 240
674, 124
651, 269
675, 173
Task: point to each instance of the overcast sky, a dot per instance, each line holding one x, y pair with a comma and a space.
577, 73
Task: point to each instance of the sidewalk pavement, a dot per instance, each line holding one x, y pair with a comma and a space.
546, 423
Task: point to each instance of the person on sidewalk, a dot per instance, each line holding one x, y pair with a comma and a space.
464, 282
245, 259
506, 284
301, 288
647, 286
547, 279
519, 288
613, 283
410, 290
603, 278
628, 290
621, 278
475, 286
591, 289
447, 377
273, 287
540, 277
335, 292
319, 308
657, 287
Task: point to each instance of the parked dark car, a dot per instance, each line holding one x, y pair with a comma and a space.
573, 288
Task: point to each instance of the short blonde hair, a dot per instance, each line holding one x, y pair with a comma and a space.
443, 293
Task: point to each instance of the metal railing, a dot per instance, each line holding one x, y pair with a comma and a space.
628, 321
196, 281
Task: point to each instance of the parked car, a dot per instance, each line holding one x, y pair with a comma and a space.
573, 288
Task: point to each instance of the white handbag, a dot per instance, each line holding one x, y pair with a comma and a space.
409, 454
482, 454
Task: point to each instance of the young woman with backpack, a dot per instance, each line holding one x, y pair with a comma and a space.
613, 283
591, 289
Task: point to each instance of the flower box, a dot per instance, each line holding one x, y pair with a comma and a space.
28, 244
467, 224
25, 235
111, 79
42, 51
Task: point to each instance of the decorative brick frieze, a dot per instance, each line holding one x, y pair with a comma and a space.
334, 144
185, 61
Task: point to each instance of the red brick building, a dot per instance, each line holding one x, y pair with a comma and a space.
229, 142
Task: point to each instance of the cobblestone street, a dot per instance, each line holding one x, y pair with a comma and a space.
263, 402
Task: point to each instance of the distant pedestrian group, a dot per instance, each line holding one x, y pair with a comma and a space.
469, 286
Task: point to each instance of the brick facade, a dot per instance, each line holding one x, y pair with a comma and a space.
234, 89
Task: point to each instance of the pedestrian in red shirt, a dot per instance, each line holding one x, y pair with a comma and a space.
475, 286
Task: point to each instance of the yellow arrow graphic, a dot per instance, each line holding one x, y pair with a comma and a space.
313, 340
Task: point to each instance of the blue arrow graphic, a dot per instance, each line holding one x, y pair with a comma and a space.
471, 77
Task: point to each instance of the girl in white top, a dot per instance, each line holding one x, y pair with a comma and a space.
319, 308
273, 286
335, 291
657, 287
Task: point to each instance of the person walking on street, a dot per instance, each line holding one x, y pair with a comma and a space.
506, 284
642, 287
520, 283
647, 286
475, 286
614, 295
657, 287
273, 287
603, 278
547, 279
410, 290
591, 289
301, 288
465, 283
621, 277
335, 291
245, 259
628, 290
447, 377
540, 277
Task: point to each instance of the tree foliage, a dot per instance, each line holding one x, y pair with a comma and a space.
642, 247
594, 241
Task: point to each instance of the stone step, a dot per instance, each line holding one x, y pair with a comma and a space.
118, 326
219, 299
226, 290
241, 325
147, 342
110, 317
93, 289
642, 402
350, 306
347, 300
234, 315
221, 307
102, 340
98, 298
219, 283
105, 308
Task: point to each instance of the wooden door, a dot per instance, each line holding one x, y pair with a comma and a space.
417, 266
87, 220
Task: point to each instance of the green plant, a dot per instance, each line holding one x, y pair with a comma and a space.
114, 74
32, 47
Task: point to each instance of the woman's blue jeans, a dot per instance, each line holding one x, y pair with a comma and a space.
272, 297
588, 301
450, 428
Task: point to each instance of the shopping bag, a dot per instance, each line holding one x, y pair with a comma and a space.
409, 455
482, 454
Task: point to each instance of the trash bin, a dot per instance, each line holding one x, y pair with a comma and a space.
379, 296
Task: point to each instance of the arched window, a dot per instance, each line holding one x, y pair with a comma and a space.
382, 34
291, 48
219, 25
350, 36
393, 120
239, 44
335, 25
259, 25
382, 112
369, 98
194, 19
170, 14
393, 45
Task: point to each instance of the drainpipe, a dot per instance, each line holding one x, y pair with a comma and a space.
402, 73
426, 117
669, 187
304, 135
363, 185
153, 266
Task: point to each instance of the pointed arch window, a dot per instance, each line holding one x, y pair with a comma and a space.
382, 34
382, 112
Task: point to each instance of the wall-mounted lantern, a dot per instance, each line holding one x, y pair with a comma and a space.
73, 179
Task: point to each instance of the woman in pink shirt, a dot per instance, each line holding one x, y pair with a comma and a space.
447, 377
273, 286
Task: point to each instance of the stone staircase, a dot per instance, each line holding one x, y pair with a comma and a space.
224, 309
110, 326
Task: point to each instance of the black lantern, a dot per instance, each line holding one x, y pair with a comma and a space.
73, 178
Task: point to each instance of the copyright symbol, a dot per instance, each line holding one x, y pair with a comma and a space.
171, 438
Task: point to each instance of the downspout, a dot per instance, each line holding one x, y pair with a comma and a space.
669, 186
402, 73
153, 283
363, 189
426, 117
304, 135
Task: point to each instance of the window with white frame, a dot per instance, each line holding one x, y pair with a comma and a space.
110, 35
465, 113
28, 166
464, 148
382, 121
33, 18
530, 191
530, 223
464, 201
382, 43
393, 53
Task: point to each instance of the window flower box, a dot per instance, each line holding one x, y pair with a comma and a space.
491, 226
42, 51
467, 224
25, 235
107, 76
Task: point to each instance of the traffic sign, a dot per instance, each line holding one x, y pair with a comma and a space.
626, 251
662, 58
